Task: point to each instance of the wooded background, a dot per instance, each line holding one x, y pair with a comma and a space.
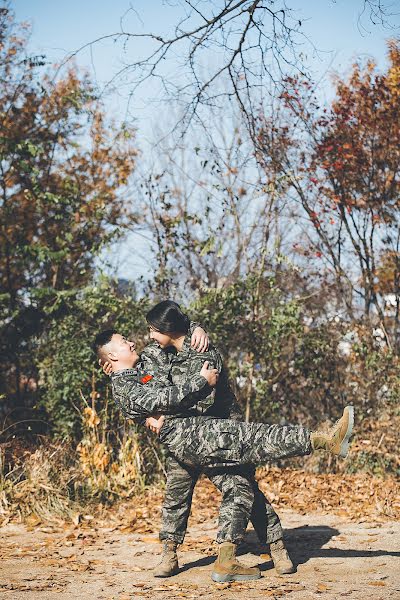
274, 223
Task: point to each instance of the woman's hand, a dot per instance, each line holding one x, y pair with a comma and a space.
199, 340
107, 367
155, 423
210, 374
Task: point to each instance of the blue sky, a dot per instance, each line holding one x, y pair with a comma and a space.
60, 27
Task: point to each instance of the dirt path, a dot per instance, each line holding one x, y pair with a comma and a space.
335, 558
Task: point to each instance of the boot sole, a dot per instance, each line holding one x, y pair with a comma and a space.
286, 571
166, 576
344, 446
170, 574
229, 578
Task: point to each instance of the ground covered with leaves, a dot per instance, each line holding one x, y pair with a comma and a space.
342, 531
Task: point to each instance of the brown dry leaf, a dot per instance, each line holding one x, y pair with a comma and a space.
127, 528
321, 587
377, 583
349, 495
223, 586
32, 520
149, 540
51, 562
124, 597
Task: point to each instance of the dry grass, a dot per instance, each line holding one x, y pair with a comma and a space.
56, 480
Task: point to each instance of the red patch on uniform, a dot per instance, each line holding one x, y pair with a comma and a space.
146, 378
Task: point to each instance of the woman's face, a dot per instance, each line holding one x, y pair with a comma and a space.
163, 339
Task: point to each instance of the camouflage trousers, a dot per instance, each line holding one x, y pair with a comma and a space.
242, 500
210, 442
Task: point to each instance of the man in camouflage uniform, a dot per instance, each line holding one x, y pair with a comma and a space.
181, 478
203, 441
236, 487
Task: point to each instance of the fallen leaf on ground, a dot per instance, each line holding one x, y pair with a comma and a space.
321, 587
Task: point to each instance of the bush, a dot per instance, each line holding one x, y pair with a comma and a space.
66, 362
288, 371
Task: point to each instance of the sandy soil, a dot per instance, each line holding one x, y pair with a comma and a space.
335, 559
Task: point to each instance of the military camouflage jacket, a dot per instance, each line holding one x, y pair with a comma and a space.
175, 385
179, 367
140, 392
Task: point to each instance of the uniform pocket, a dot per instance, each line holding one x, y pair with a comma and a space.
211, 443
218, 447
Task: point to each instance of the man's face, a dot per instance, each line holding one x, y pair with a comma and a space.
162, 339
122, 350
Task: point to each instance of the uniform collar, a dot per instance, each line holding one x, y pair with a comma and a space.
134, 371
186, 348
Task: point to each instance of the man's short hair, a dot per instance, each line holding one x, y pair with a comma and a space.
101, 339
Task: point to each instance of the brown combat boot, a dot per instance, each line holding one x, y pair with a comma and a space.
336, 440
227, 568
169, 561
280, 558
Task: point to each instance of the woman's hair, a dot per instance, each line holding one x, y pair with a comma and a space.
167, 317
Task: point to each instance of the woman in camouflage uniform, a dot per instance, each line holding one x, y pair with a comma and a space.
168, 325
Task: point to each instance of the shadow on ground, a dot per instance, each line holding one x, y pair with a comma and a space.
303, 543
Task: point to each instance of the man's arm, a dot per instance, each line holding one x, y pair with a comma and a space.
221, 400
137, 400
192, 366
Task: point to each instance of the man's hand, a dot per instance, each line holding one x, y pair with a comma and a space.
107, 367
155, 423
210, 374
199, 340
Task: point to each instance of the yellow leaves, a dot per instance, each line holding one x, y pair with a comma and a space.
96, 457
84, 458
91, 417
101, 457
387, 272
393, 83
105, 468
